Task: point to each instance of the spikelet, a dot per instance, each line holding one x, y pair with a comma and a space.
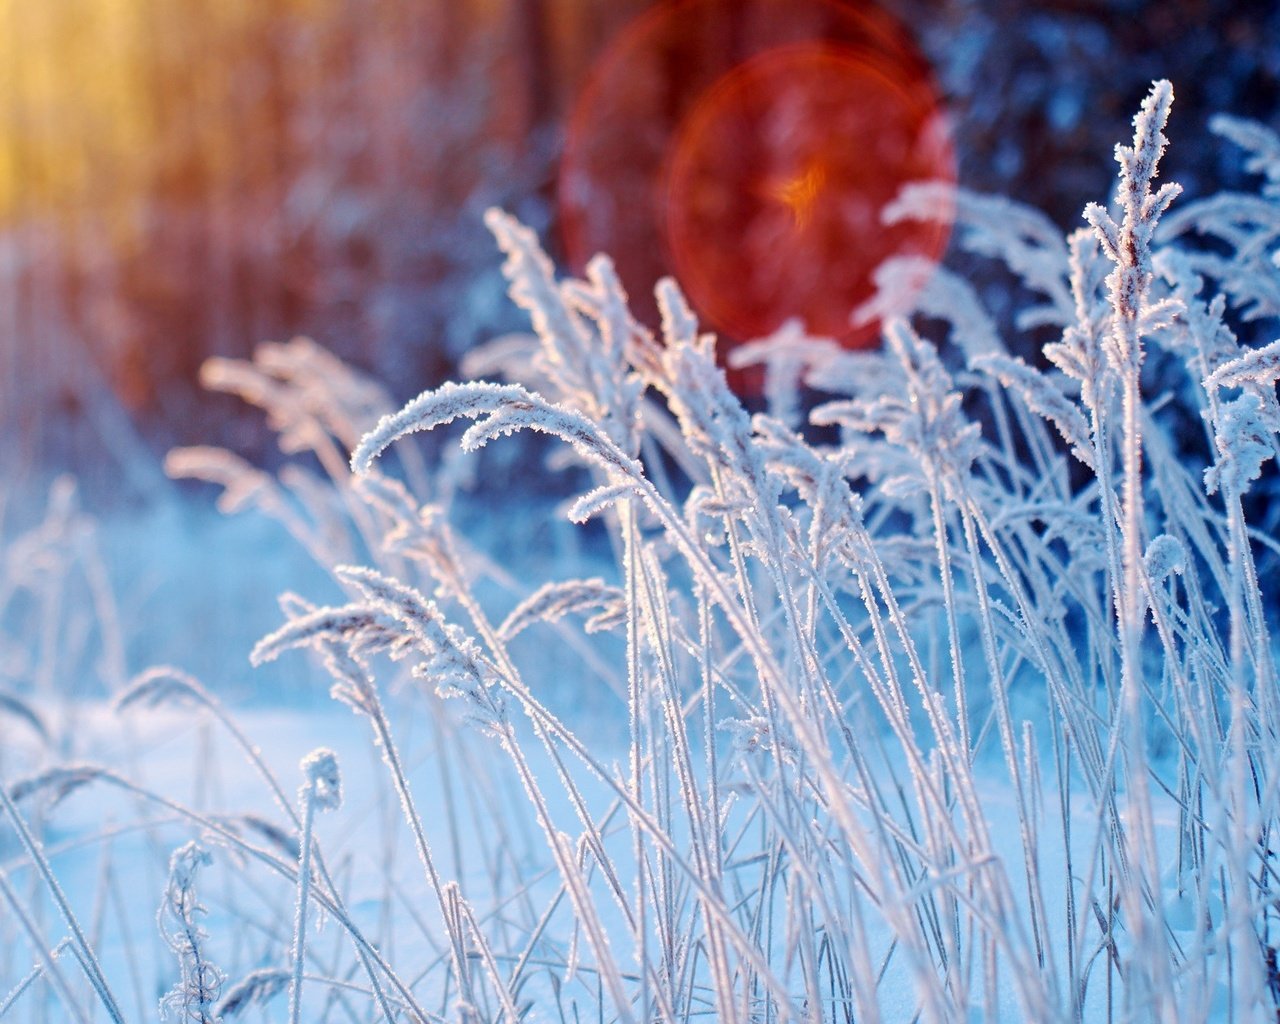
323, 781
14, 706
553, 601
56, 783
257, 988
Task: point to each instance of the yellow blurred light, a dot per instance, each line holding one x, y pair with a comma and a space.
799, 192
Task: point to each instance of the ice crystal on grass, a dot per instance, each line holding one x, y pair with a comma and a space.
1260, 366
194, 996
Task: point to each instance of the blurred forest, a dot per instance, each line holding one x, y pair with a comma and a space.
181, 178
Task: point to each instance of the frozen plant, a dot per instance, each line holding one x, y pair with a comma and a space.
193, 997
1035, 578
967, 713
322, 791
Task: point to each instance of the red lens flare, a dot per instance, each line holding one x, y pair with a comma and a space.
749, 149
776, 185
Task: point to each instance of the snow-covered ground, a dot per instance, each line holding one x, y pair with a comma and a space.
114, 869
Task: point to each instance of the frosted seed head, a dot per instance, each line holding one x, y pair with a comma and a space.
324, 782
257, 987
58, 782
1165, 556
1243, 439
13, 706
286, 842
159, 686
184, 863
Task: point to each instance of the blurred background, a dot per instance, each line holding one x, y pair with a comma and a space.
182, 178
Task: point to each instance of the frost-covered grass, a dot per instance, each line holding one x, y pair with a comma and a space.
968, 714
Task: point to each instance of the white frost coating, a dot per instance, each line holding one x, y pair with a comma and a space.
1258, 365
593, 503
433, 409
324, 779
553, 601
1165, 557
1260, 142
499, 410
924, 417
242, 483
1024, 239
1044, 398
1128, 243
906, 285
1244, 443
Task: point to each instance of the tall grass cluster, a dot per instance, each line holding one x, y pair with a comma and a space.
949, 697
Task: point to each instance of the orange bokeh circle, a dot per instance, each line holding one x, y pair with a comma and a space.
775, 189
748, 147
